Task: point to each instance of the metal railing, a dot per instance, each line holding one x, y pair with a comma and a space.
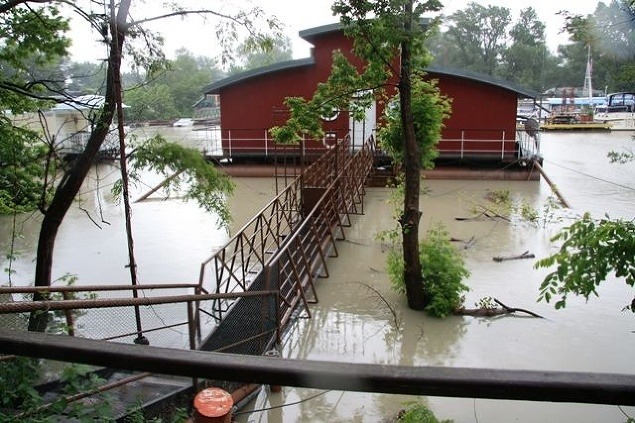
462, 143
537, 385
302, 258
234, 267
105, 311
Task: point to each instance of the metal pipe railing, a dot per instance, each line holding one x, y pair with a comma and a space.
29, 306
90, 288
530, 385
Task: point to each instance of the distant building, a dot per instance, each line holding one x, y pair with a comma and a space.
208, 108
68, 125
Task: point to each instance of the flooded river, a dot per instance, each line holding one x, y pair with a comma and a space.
351, 324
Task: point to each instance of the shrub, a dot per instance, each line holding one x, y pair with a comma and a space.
443, 271
419, 413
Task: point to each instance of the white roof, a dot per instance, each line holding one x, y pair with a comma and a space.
82, 102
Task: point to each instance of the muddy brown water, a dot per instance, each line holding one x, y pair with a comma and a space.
350, 323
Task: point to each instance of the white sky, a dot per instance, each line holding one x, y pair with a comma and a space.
198, 36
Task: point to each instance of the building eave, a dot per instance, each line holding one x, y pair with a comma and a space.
520, 91
312, 33
217, 86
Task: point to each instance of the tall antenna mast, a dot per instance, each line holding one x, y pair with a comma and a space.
588, 84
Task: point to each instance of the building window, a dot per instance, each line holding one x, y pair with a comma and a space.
331, 115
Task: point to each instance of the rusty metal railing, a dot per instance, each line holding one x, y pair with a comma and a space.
537, 385
63, 305
181, 309
302, 258
234, 267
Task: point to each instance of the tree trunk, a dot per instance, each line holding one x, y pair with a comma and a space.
412, 166
74, 178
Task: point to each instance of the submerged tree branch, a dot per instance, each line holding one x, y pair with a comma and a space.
494, 311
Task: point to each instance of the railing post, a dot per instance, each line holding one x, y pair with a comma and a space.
229, 141
266, 143
462, 142
69, 317
273, 353
503, 147
191, 325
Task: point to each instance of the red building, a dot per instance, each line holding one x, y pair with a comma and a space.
482, 124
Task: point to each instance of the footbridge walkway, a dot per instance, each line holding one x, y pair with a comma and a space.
284, 249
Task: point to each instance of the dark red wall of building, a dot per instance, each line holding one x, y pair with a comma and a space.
480, 110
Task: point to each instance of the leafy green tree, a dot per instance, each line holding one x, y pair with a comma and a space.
478, 35
186, 77
524, 60
380, 29
614, 26
31, 37
429, 110
85, 77
150, 102
590, 251
36, 35
22, 176
251, 58
381, 32
170, 92
443, 273
609, 31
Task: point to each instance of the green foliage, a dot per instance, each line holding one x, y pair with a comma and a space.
17, 378
201, 181
86, 77
429, 109
590, 250
22, 169
484, 39
32, 36
20, 375
476, 37
170, 91
524, 60
257, 56
419, 413
345, 89
150, 102
443, 270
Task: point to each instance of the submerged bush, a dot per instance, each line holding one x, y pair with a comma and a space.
419, 413
443, 271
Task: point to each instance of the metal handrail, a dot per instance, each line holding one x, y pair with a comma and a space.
90, 288
529, 385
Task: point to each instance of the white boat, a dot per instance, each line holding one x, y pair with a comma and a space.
618, 111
